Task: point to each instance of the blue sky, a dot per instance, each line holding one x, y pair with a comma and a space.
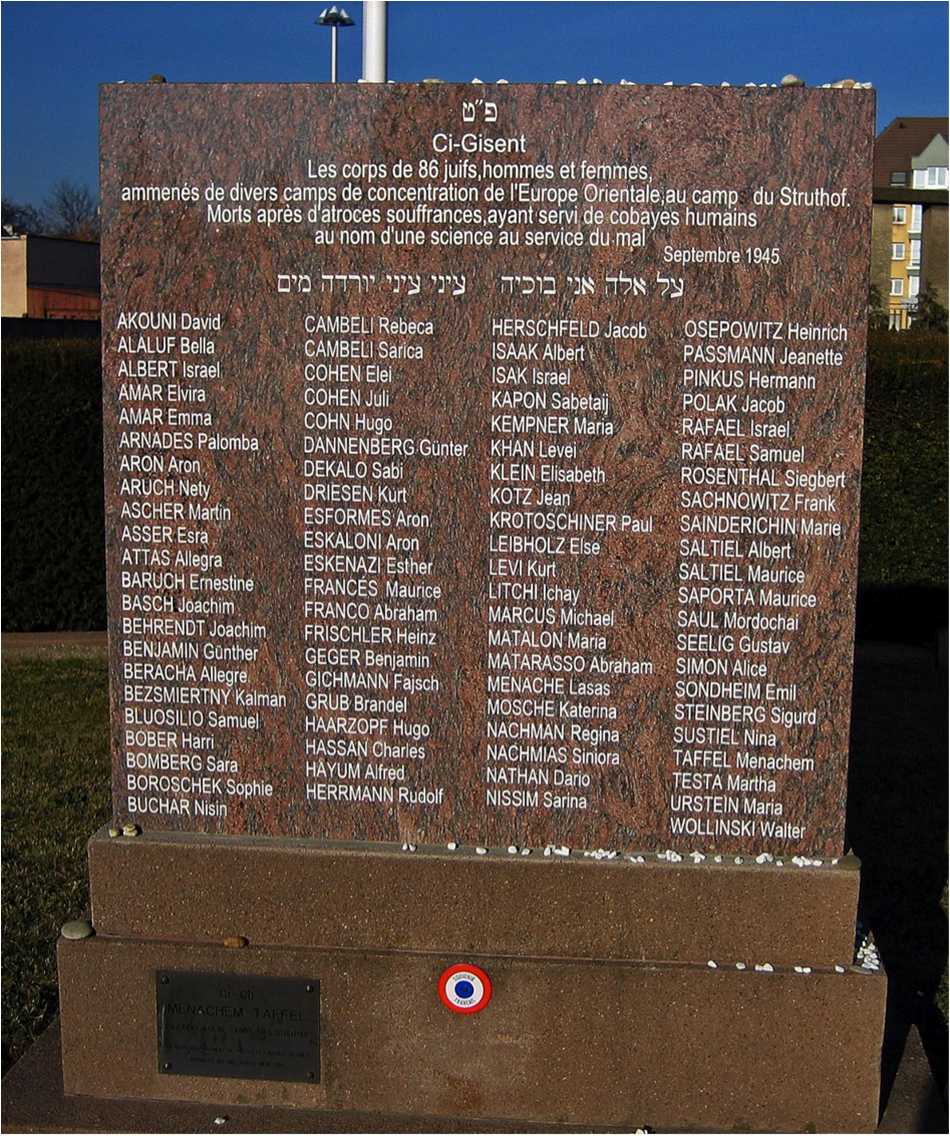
54, 55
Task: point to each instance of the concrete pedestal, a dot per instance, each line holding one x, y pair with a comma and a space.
606, 1006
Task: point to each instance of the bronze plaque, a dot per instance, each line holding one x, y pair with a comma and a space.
238, 1025
482, 463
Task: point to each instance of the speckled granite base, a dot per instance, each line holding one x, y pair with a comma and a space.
33, 1101
301, 894
663, 1045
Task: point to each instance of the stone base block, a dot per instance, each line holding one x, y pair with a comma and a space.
375, 897
573, 1041
33, 1101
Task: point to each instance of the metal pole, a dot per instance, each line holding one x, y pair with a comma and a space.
374, 41
333, 30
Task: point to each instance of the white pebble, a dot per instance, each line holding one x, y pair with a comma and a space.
451, 846
480, 851
738, 860
612, 855
717, 859
503, 82
598, 81
697, 857
525, 851
548, 850
806, 970
477, 81
765, 858
712, 964
582, 82
76, 929
668, 83
512, 850
740, 966
839, 969
799, 970
562, 851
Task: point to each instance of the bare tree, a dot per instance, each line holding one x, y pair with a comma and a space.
19, 219
72, 211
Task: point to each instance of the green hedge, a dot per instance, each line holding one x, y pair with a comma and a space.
53, 564
904, 488
52, 521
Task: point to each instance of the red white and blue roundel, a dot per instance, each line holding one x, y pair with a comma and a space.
465, 989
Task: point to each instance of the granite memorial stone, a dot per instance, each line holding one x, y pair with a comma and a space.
483, 463
482, 471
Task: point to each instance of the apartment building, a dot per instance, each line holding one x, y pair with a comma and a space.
909, 227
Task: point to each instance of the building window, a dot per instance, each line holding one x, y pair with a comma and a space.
897, 287
933, 177
899, 177
915, 254
900, 214
897, 250
913, 286
916, 218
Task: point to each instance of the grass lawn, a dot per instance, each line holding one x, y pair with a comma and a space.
55, 791
56, 794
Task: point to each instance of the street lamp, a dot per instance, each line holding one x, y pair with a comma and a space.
333, 18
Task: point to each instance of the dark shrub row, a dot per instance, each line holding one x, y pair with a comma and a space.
52, 521
904, 491
903, 567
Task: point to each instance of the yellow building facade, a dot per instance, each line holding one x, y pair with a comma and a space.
909, 231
